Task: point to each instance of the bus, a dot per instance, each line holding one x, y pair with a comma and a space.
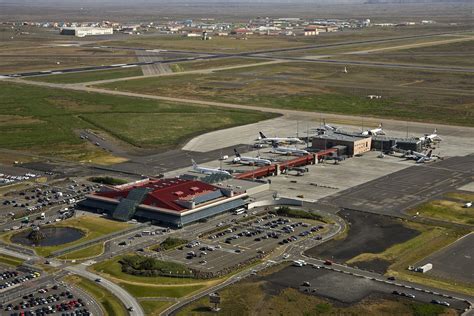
239, 211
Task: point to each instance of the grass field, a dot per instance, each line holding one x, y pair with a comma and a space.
112, 268
445, 210
84, 253
153, 307
406, 94
90, 75
9, 260
408, 253
160, 291
214, 63
110, 304
93, 227
217, 44
33, 118
250, 298
454, 54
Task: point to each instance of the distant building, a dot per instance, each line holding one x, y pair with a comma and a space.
86, 31
354, 145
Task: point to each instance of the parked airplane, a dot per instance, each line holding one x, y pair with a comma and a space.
433, 137
250, 160
207, 170
289, 140
419, 157
467, 205
374, 132
288, 150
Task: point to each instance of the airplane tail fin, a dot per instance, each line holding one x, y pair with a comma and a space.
435, 131
236, 153
261, 135
429, 153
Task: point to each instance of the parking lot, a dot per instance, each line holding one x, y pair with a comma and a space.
56, 299
240, 242
11, 278
27, 205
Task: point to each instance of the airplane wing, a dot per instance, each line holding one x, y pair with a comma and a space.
421, 160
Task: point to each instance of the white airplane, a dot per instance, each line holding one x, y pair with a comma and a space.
288, 150
374, 132
433, 137
289, 140
250, 160
467, 205
419, 157
207, 170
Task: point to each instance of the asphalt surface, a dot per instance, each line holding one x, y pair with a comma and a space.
397, 192
455, 262
368, 233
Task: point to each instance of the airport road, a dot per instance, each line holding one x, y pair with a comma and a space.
127, 299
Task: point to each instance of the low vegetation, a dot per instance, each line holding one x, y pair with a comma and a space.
113, 269
214, 63
9, 260
110, 304
251, 298
146, 266
44, 116
90, 76
153, 307
417, 95
108, 180
445, 210
170, 243
84, 253
289, 212
160, 291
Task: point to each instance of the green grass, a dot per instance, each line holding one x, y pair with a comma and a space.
406, 94
110, 304
113, 269
32, 118
153, 307
146, 266
214, 63
160, 291
420, 309
170, 243
84, 253
93, 227
9, 260
90, 76
445, 210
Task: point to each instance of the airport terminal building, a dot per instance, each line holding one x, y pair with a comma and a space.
173, 202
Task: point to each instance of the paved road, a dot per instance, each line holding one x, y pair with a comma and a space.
127, 299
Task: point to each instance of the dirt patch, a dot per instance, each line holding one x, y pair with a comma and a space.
376, 265
368, 233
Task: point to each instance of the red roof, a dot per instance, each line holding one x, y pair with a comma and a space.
164, 192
